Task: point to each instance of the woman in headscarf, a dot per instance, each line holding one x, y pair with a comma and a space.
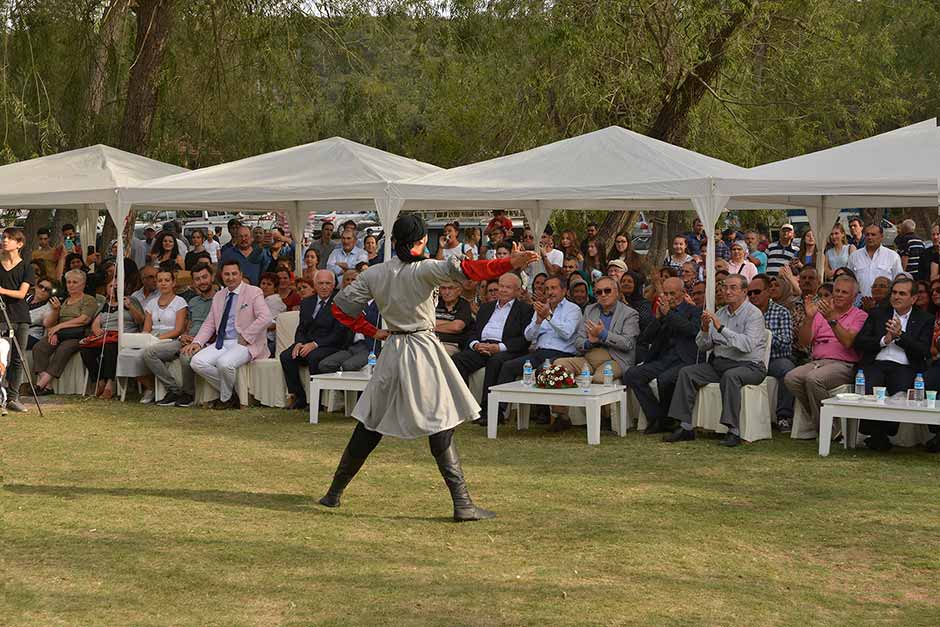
415, 388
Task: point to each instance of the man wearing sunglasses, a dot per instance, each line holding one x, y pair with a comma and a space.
608, 334
780, 324
737, 337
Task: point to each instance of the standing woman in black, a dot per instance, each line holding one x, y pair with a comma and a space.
16, 277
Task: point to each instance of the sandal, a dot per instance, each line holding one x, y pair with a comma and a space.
107, 394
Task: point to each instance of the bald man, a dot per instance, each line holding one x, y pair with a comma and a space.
672, 336
498, 334
318, 336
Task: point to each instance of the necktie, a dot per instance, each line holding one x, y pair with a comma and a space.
220, 334
316, 311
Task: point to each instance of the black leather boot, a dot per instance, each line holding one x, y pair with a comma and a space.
464, 509
347, 469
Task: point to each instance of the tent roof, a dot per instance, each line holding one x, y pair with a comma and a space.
77, 177
602, 168
333, 170
898, 168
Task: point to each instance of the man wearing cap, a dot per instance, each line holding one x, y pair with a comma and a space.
781, 252
616, 269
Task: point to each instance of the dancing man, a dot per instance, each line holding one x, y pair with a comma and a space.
415, 390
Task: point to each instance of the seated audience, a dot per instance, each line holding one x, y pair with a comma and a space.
880, 290
608, 334
631, 292
39, 306
670, 336
370, 243
498, 335
198, 238
739, 263
100, 359
238, 319
895, 347
678, 256
616, 269
697, 294
736, 335
165, 248
66, 324
275, 305
922, 296
553, 331
252, 259
356, 355
158, 355
346, 256
318, 335
595, 261
452, 318
148, 287
578, 291
323, 247
829, 330
780, 324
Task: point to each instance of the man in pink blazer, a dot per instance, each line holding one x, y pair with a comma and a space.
233, 334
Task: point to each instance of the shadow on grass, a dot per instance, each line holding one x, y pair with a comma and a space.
262, 500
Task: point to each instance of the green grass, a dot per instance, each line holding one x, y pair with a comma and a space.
120, 515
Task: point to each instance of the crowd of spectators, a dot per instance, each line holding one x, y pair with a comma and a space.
584, 304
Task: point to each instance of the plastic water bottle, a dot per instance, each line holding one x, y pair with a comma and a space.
584, 381
546, 365
370, 364
528, 374
608, 374
860, 382
919, 387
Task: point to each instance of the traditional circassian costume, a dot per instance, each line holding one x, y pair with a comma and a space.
415, 389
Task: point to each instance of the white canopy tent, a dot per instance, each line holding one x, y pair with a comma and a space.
618, 169
86, 179
895, 169
331, 174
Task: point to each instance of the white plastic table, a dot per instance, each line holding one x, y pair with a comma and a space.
592, 400
850, 412
351, 381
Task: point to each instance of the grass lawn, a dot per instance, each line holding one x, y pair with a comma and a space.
115, 514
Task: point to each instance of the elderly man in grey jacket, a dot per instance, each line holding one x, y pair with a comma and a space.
608, 334
737, 337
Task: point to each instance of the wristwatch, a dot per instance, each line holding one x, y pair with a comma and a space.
833, 323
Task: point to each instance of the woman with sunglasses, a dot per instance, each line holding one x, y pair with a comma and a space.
38, 303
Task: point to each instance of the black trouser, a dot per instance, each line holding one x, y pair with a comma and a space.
292, 366
896, 378
665, 371
21, 332
107, 359
364, 441
512, 369
469, 361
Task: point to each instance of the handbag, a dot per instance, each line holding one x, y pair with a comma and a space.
72, 333
97, 341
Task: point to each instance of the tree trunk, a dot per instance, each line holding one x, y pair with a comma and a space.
155, 19
110, 31
36, 219
672, 122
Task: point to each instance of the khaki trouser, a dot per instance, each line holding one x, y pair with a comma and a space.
451, 348
810, 383
595, 360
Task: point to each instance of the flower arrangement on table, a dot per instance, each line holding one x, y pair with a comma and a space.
554, 378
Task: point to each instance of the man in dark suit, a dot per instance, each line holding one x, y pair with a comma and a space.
672, 338
318, 335
498, 334
895, 346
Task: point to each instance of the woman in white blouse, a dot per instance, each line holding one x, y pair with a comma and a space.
164, 319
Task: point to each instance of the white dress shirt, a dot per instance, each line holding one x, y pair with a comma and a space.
893, 352
867, 268
555, 257
493, 331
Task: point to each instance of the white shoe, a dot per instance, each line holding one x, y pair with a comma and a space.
147, 398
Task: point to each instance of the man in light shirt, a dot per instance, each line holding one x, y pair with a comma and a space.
553, 330
346, 256
737, 337
895, 346
874, 260
551, 259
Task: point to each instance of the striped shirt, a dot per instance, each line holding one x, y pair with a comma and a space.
779, 256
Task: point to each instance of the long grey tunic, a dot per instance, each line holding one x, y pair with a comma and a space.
415, 389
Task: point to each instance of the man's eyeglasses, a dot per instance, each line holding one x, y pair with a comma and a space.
755, 292
604, 291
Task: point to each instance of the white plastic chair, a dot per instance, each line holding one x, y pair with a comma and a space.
755, 406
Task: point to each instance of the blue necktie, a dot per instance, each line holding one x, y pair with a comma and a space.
220, 335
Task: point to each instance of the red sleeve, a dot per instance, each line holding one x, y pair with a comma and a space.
359, 325
485, 269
